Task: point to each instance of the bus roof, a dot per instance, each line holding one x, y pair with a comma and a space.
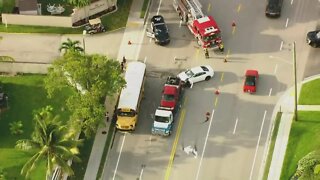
134, 76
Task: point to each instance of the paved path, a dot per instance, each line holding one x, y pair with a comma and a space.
134, 33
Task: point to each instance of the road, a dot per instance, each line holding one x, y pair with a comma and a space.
232, 144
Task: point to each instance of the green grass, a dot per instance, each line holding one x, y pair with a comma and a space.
304, 138
144, 8
309, 94
112, 21
26, 94
272, 143
6, 6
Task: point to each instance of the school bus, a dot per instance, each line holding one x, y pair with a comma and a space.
130, 96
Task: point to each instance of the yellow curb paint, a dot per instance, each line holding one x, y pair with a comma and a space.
222, 76
209, 7
175, 144
216, 102
239, 8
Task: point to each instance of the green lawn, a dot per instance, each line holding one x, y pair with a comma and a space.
112, 21
26, 94
304, 138
310, 93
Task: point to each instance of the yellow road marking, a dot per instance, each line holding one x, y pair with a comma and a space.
175, 144
222, 76
239, 8
227, 56
197, 53
216, 101
209, 7
233, 30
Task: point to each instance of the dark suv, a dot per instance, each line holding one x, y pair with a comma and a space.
159, 29
273, 8
313, 38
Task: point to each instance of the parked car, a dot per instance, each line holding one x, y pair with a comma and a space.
196, 74
94, 26
313, 38
250, 82
159, 30
273, 8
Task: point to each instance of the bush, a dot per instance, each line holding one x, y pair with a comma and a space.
16, 127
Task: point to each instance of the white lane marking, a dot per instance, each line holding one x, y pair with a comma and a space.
275, 69
145, 59
141, 172
281, 45
292, 2
257, 147
115, 171
180, 23
159, 7
287, 22
270, 91
205, 144
235, 126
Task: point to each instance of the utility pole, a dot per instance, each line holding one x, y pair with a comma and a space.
295, 83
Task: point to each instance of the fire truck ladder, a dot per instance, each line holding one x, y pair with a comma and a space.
195, 8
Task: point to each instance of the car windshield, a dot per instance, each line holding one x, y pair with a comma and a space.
189, 73
162, 119
318, 35
250, 81
126, 114
168, 97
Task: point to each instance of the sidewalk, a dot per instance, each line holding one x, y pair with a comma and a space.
134, 33
286, 103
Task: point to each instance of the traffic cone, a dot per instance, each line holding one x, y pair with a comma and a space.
233, 24
129, 42
217, 92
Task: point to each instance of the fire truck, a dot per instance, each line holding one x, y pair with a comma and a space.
204, 28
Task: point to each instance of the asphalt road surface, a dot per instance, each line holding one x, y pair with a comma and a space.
232, 144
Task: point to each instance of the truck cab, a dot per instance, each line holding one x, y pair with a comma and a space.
163, 121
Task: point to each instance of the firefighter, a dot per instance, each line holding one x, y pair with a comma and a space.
221, 47
206, 53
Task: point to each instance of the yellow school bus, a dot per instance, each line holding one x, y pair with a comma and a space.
130, 97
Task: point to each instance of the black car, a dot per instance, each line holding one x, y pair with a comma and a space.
273, 8
159, 29
313, 38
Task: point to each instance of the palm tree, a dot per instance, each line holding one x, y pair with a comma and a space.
71, 46
52, 143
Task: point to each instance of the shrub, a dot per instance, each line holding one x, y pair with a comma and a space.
16, 127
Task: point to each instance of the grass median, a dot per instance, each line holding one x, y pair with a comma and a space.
271, 146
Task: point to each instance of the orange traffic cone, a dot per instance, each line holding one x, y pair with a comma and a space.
129, 42
217, 92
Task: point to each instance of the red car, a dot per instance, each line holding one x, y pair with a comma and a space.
250, 83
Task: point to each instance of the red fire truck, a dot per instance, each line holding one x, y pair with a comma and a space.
204, 28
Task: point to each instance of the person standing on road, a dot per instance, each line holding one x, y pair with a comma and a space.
206, 53
107, 116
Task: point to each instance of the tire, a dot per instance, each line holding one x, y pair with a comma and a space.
208, 78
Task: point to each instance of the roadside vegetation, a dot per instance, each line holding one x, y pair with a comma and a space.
144, 8
304, 144
26, 94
